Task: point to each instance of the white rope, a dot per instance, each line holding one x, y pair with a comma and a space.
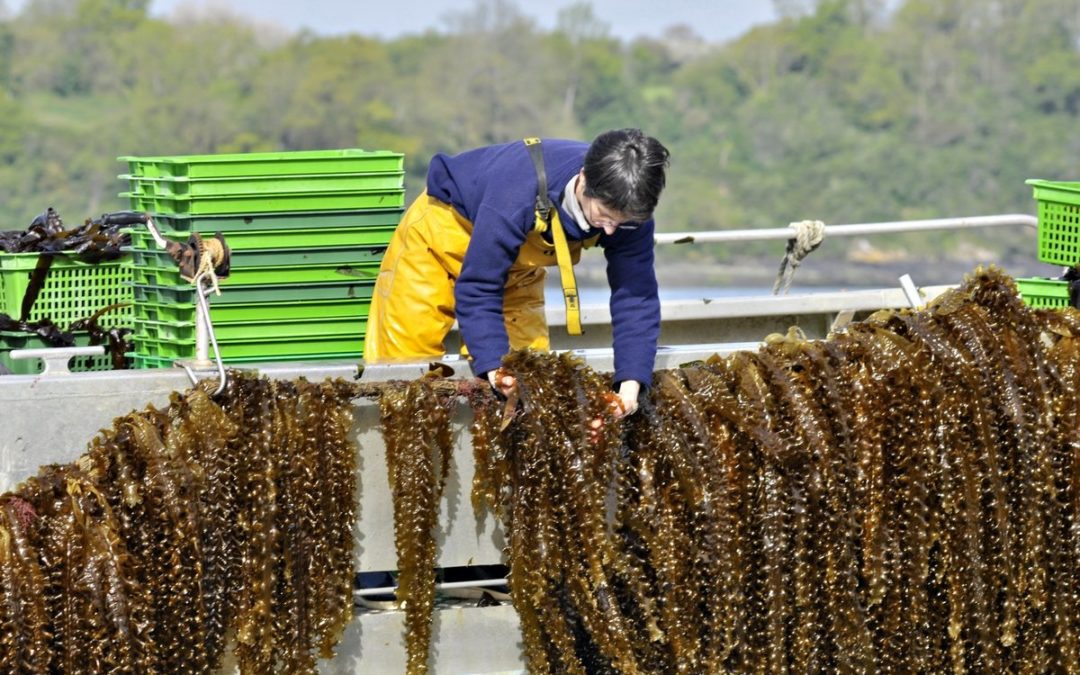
808, 236
210, 255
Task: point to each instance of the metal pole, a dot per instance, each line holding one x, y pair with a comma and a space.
390, 590
202, 331
910, 291
203, 318
785, 233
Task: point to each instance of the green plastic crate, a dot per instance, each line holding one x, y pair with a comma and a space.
281, 239
252, 330
255, 276
10, 341
350, 160
248, 295
73, 289
290, 257
286, 348
1044, 293
141, 361
263, 185
271, 203
1059, 221
260, 222
271, 311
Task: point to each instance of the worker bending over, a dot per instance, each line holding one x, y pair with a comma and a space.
475, 244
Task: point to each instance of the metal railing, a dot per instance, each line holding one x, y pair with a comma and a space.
856, 229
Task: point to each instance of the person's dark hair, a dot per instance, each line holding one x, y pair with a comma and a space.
624, 169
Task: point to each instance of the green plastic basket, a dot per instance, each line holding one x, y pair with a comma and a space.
1059, 221
262, 185
281, 239
351, 160
289, 257
1044, 293
285, 349
266, 312
141, 361
256, 276
270, 203
248, 295
72, 290
261, 222
10, 341
252, 330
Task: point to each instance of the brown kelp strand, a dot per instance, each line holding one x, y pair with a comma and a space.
823, 369
416, 430
564, 568
183, 528
900, 497
23, 614
701, 473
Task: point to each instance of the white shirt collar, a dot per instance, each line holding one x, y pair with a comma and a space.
571, 205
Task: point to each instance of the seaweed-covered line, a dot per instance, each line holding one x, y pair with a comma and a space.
900, 497
182, 527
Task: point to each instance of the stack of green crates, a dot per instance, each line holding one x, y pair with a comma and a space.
1058, 241
307, 231
73, 290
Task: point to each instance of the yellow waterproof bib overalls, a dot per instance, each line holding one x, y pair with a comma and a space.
412, 308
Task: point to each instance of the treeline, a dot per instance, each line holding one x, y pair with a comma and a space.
843, 110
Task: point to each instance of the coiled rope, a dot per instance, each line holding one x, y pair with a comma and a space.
211, 255
808, 236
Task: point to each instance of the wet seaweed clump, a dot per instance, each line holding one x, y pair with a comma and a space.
899, 497
416, 430
96, 239
186, 528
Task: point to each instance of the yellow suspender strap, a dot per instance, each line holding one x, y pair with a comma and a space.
548, 216
566, 276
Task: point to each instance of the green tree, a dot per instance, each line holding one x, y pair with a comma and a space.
70, 46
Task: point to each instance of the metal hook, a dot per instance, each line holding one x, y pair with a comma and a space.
204, 313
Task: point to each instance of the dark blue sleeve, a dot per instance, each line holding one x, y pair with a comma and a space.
635, 302
478, 294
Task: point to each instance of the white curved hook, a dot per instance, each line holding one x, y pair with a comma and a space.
158, 239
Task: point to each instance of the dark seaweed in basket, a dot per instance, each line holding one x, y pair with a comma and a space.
95, 240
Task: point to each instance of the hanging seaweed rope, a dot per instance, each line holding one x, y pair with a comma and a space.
900, 497
182, 527
416, 430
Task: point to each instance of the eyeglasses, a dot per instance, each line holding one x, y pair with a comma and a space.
605, 213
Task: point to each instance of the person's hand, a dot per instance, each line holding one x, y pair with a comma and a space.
505, 385
502, 381
628, 396
622, 404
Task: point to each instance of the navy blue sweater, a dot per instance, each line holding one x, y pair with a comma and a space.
495, 188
